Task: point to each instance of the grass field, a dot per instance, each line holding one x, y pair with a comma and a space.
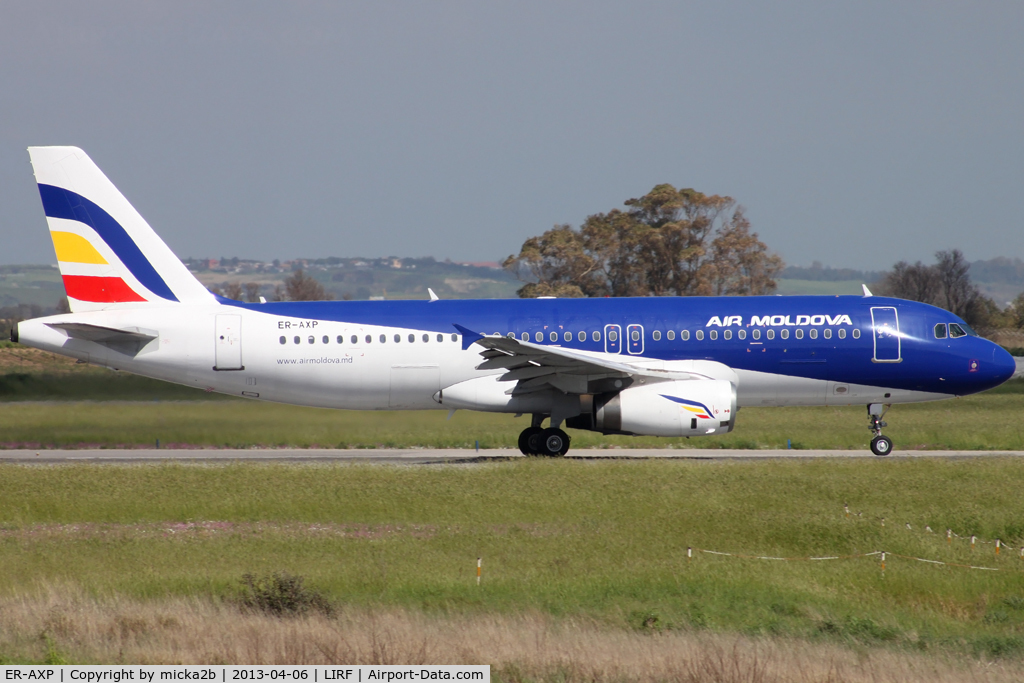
600, 541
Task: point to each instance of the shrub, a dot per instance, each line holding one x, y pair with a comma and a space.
281, 594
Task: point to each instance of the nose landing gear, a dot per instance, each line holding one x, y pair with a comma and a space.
535, 440
880, 445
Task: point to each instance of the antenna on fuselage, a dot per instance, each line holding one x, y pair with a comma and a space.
867, 292
433, 297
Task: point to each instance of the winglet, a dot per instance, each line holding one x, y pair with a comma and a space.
469, 337
433, 297
867, 292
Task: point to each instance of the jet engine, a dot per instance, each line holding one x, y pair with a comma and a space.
680, 408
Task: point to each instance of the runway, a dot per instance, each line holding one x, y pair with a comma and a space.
442, 456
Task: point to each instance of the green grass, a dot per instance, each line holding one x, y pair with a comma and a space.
602, 540
990, 421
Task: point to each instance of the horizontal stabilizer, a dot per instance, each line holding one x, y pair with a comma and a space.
128, 341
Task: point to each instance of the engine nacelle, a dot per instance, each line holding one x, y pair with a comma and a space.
682, 408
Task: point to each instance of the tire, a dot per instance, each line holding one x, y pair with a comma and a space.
554, 442
529, 441
881, 445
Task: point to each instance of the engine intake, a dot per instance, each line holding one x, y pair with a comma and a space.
682, 408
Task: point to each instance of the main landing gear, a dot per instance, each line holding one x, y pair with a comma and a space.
535, 440
880, 445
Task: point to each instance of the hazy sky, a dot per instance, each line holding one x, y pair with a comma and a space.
855, 134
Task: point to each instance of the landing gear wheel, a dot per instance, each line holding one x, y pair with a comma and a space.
530, 441
881, 445
554, 442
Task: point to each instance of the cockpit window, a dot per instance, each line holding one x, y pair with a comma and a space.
969, 330
940, 331
956, 331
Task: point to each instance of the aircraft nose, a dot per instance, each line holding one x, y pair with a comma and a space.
1003, 364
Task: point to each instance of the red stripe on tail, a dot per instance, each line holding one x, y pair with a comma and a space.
99, 289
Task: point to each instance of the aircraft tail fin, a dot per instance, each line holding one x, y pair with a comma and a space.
109, 257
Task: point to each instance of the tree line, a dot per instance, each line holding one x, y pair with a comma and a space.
947, 284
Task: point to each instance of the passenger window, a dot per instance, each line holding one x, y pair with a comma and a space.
671, 334
940, 331
369, 339
742, 334
525, 336
842, 333
582, 336
426, 337
727, 334
354, 339
455, 337
312, 340
613, 335
326, 339
539, 337
553, 336
713, 334
770, 334
596, 336
756, 334
828, 333
784, 333
813, 333
700, 335
383, 338
856, 334
440, 337
297, 340
656, 335
955, 331
283, 340
635, 334
799, 334
685, 335
398, 338
567, 336
412, 338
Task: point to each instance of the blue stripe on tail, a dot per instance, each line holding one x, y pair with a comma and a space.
61, 203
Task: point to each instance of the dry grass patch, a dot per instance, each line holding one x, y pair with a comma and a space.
65, 625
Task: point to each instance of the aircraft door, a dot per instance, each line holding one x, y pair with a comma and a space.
885, 326
612, 339
228, 343
635, 339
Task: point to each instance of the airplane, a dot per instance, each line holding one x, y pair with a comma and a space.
657, 366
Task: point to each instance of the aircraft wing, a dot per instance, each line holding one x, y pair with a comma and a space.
535, 367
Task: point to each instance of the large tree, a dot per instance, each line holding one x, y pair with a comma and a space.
302, 287
668, 242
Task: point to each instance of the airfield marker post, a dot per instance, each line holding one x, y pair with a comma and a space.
998, 543
846, 507
689, 553
883, 563
973, 540
949, 536
479, 563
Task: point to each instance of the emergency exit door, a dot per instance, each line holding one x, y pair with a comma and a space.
228, 343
